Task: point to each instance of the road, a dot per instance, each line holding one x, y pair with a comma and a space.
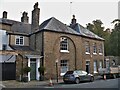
110, 83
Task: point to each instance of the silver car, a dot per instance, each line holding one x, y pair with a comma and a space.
77, 76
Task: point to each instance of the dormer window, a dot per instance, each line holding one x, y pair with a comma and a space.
19, 40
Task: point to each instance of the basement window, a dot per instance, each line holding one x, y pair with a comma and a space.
19, 40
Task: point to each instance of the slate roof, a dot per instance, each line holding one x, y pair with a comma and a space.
84, 31
16, 26
21, 48
53, 24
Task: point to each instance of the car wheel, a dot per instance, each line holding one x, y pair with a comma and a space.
92, 79
77, 80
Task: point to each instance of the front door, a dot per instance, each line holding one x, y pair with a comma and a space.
33, 69
88, 66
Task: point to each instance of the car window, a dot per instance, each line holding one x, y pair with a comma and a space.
69, 72
78, 72
84, 72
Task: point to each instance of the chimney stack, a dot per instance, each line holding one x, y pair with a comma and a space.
5, 14
35, 18
24, 17
73, 20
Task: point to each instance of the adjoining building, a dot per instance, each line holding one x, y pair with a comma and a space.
49, 44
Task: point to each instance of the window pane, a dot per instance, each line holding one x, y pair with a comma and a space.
19, 40
87, 47
64, 44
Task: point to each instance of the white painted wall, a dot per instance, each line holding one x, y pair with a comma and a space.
4, 39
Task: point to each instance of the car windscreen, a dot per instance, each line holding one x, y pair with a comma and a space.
69, 72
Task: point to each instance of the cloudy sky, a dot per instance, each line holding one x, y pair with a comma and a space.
85, 10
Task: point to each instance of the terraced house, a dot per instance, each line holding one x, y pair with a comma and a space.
47, 44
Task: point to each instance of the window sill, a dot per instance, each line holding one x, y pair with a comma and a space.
100, 53
64, 51
94, 53
87, 53
95, 72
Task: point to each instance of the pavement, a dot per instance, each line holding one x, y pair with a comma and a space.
30, 84
34, 83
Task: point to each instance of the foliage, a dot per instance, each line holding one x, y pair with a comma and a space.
97, 28
26, 69
41, 69
112, 40
115, 39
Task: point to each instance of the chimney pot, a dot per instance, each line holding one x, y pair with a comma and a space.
24, 17
73, 20
4, 14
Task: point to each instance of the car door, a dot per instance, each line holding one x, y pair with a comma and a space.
86, 76
81, 75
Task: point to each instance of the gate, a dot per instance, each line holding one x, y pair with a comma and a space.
9, 71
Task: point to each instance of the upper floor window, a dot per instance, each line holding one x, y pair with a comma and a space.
4, 47
100, 49
64, 45
87, 47
94, 48
19, 40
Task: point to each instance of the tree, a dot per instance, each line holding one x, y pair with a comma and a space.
97, 28
115, 39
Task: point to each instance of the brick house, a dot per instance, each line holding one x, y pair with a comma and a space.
49, 44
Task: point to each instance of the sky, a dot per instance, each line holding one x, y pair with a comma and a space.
85, 11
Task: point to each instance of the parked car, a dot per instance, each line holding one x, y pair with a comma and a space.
77, 76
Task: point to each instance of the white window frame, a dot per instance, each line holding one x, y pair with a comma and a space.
100, 64
87, 47
63, 64
19, 40
94, 48
100, 49
64, 45
95, 66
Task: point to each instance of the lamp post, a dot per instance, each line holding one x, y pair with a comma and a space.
57, 70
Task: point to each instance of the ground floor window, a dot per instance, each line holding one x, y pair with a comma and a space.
95, 66
88, 66
64, 67
100, 65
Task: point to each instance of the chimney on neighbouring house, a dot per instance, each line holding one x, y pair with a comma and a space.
24, 17
35, 18
73, 20
5, 14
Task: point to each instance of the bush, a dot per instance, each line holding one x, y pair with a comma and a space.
41, 69
26, 69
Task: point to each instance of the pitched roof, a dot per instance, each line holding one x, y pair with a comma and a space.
53, 24
21, 48
16, 26
84, 32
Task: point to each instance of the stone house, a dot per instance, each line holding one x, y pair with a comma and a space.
52, 44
